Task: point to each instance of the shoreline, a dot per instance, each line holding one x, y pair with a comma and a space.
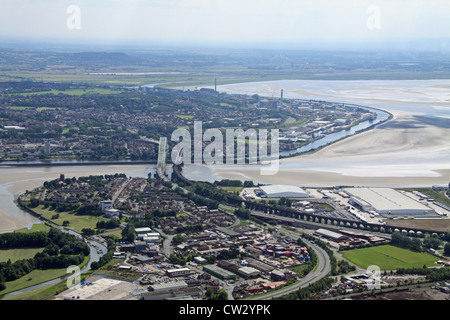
70, 164
383, 156
413, 154
16, 180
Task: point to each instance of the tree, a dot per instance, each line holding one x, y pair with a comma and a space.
242, 213
52, 250
447, 249
212, 294
129, 233
433, 243
416, 245
178, 239
88, 231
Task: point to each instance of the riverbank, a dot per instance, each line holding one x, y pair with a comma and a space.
411, 149
16, 180
404, 151
59, 163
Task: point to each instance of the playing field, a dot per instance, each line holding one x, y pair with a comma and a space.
388, 257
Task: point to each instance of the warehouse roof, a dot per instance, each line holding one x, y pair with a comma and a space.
387, 199
278, 188
330, 234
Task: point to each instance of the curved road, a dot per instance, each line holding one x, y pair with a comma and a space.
322, 269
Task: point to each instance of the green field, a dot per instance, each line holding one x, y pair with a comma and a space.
34, 228
18, 254
389, 257
232, 189
77, 222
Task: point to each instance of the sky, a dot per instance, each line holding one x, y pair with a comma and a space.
224, 21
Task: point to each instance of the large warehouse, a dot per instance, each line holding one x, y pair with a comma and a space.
278, 191
386, 201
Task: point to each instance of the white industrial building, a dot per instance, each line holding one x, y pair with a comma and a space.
386, 201
249, 272
286, 191
143, 230
336, 236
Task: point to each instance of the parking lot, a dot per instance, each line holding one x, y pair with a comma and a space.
101, 288
345, 209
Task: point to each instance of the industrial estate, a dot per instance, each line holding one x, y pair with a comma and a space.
171, 239
99, 203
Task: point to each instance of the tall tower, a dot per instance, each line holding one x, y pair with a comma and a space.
281, 100
47, 147
215, 84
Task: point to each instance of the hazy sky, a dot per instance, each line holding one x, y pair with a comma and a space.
211, 21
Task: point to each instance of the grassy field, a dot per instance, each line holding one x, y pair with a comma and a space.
232, 189
37, 277
77, 222
389, 257
18, 254
34, 228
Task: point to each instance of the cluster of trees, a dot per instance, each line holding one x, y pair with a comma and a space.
202, 200
147, 221
189, 229
60, 207
234, 183
90, 210
216, 294
243, 213
447, 249
60, 251
161, 214
307, 292
432, 274
208, 191
406, 242
110, 224
232, 253
129, 232
285, 202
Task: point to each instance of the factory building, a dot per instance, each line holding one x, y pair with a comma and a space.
335, 236
286, 191
143, 230
219, 272
387, 201
172, 285
178, 272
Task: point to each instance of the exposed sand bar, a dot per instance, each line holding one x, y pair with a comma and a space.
402, 152
412, 149
14, 181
